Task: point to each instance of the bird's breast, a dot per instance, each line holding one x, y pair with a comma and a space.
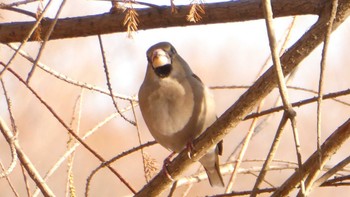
171, 106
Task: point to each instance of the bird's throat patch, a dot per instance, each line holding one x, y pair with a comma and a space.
163, 71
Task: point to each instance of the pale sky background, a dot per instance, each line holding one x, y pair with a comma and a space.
220, 54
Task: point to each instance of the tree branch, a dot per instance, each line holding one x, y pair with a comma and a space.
161, 17
328, 148
28, 165
236, 113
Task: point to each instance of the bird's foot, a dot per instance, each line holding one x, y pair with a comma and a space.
190, 149
165, 166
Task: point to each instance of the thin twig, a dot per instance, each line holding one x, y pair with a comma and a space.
46, 38
299, 103
71, 131
107, 163
140, 142
70, 177
9, 180
33, 173
35, 26
264, 180
26, 183
289, 87
14, 129
291, 114
283, 47
228, 168
18, 3
109, 83
172, 189
323, 66
314, 173
242, 152
331, 172
76, 145
335, 180
271, 154
67, 79
244, 193
328, 148
188, 189
18, 10
258, 128
264, 121
275, 57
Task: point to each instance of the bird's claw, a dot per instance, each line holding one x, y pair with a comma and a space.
165, 168
190, 149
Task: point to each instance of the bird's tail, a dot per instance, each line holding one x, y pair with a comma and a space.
210, 162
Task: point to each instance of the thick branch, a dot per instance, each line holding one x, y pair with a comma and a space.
261, 88
161, 17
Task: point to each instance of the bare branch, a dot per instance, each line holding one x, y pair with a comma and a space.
288, 109
67, 79
33, 173
107, 163
328, 148
161, 17
242, 152
46, 38
313, 174
29, 34
331, 172
81, 141
105, 66
76, 145
299, 103
14, 4
271, 154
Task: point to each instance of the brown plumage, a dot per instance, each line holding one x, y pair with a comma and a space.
176, 106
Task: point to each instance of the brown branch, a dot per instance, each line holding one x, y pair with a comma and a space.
299, 103
3, 5
336, 180
328, 148
331, 172
161, 17
106, 163
271, 154
289, 112
259, 90
28, 165
321, 162
67, 79
81, 141
109, 85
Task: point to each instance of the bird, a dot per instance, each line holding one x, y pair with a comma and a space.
177, 107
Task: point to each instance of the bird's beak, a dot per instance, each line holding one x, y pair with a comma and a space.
160, 58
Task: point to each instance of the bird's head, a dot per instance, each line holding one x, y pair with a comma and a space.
161, 58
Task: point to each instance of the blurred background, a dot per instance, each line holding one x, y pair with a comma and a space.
220, 54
